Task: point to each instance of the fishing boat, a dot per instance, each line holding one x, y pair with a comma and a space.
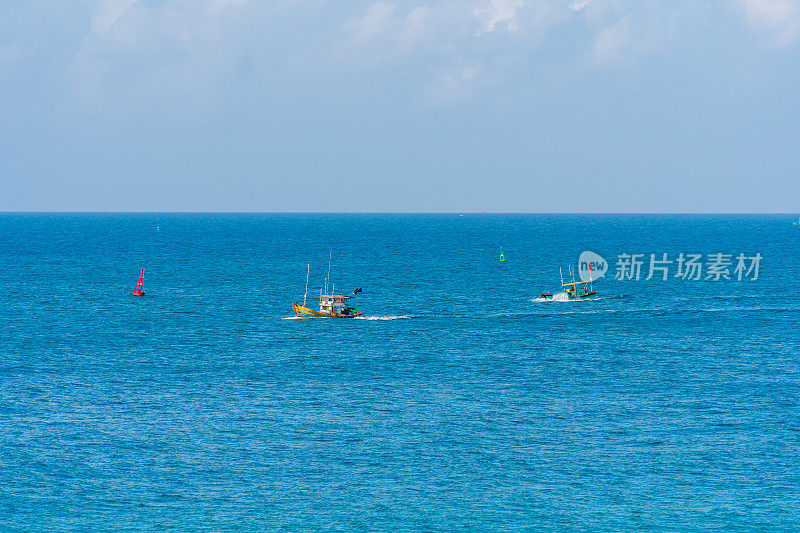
139, 290
331, 305
574, 290
797, 223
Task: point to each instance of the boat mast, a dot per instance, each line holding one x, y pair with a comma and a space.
572, 274
308, 271
327, 279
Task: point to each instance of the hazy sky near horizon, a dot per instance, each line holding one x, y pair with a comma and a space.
437, 105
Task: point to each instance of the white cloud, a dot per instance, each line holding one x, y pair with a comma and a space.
452, 49
384, 31
376, 21
453, 85
628, 31
579, 5
496, 12
107, 13
178, 51
612, 44
778, 21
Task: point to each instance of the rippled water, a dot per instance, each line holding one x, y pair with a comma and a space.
458, 402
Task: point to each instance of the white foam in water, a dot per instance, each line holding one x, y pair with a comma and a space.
397, 317
557, 297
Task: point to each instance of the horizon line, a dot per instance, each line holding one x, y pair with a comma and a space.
86, 212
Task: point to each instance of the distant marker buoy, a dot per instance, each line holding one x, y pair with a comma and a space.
139, 290
502, 257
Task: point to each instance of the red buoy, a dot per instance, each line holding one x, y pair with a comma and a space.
139, 290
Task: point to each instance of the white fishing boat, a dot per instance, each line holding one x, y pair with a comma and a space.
574, 290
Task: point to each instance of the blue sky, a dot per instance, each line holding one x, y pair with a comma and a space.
439, 105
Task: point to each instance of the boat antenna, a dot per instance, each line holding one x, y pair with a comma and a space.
561, 275
308, 271
591, 283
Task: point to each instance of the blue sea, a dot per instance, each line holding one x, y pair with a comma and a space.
459, 400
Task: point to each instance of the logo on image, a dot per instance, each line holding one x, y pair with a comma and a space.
591, 266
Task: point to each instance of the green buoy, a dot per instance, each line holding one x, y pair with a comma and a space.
502, 257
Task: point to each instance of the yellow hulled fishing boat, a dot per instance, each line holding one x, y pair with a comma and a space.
330, 305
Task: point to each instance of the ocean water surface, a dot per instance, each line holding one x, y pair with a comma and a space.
458, 402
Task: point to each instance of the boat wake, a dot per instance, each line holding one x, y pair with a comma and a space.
562, 297
391, 317
557, 297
